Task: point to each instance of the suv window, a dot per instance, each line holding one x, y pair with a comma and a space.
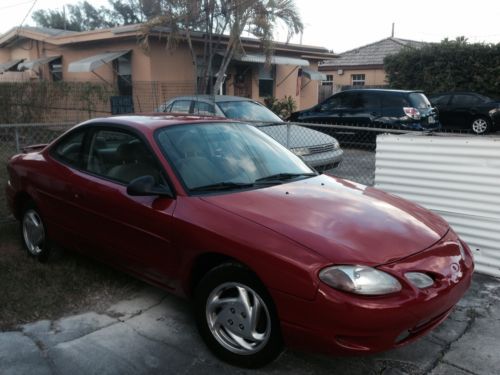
333, 102
394, 100
369, 100
419, 100
69, 149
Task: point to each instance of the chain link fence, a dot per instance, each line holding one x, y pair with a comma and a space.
13, 138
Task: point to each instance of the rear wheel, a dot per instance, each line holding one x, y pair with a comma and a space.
236, 317
480, 125
34, 233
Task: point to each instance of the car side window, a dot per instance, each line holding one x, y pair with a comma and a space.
70, 149
203, 108
394, 101
334, 102
181, 106
441, 100
120, 156
465, 100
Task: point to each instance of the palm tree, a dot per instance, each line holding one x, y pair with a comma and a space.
221, 23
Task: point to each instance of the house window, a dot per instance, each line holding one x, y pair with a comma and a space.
56, 71
357, 79
266, 81
329, 80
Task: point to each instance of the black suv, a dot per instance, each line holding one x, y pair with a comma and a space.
374, 107
467, 110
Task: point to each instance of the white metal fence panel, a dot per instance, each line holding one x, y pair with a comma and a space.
456, 176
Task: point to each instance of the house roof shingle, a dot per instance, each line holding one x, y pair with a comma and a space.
372, 54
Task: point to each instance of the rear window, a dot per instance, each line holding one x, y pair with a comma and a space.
419, 100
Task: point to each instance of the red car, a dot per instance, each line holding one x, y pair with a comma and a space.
271, 252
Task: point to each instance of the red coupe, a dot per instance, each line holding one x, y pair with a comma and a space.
271, 252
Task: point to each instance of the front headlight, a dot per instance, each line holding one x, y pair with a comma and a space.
300, 151
359, 280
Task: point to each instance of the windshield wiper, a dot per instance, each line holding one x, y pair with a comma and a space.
284, 176
224, 185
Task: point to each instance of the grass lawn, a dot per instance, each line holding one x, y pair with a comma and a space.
65, 285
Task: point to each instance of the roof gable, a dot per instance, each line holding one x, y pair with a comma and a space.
372, 54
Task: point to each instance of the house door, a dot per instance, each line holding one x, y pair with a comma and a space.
243, 81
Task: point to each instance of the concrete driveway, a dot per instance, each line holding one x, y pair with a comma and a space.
154, 333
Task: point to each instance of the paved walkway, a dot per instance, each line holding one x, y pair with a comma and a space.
154, 333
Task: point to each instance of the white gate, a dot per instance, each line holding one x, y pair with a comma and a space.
455, 176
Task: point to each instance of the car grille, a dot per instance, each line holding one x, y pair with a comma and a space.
321, 148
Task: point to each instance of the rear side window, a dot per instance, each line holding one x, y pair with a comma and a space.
70, 149
465, 100
181, 106
203, 108
419, 100
441, 99
394, 100
334, 102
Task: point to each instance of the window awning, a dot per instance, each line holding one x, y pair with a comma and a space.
275, 60
313, 75
33, 64
89, 64
9, 65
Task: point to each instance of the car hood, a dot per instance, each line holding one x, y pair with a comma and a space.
292, 136
343, 221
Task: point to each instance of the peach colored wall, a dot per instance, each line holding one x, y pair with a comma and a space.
171, 65
372, 76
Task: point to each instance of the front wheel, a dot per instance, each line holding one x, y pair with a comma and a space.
34, 233
236, 317
480, 125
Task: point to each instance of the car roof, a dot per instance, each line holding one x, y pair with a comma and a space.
214, 98
150, 122
384, 91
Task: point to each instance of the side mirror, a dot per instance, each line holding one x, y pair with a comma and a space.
145, 185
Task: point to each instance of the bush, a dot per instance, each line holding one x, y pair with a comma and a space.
447, 66
283, 107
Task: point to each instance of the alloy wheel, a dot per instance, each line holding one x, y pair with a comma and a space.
238, 318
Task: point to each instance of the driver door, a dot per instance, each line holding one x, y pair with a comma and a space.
131, 232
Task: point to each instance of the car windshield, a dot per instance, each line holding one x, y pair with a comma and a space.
247, 110
228, 156
419, 100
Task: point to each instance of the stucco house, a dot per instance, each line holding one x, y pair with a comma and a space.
362, 66
114, 56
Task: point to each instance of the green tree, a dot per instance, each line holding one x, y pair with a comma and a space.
220, 24
451, 65
84, 16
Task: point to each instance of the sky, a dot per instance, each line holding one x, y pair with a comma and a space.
345, 25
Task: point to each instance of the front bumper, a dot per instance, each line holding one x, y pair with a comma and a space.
322, 159
340, 323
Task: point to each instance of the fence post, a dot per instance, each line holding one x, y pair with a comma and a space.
288, 135
17, 139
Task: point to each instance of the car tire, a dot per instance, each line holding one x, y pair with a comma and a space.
480, 125
236, 317
34, 233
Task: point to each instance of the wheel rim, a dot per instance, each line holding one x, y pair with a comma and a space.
238, 318
33, 232
479, 126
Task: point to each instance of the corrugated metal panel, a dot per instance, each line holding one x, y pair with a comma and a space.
458, 177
